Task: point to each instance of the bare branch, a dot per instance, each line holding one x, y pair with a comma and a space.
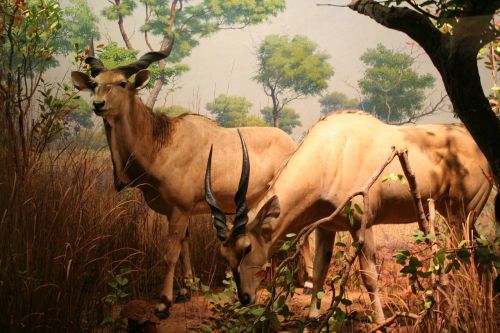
330, 5
395, 316
433, 109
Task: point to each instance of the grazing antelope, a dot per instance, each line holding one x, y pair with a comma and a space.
165, 157
337, 158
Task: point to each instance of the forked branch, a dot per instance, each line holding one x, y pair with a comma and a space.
402, 155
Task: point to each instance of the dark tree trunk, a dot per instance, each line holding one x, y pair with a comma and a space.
455, 57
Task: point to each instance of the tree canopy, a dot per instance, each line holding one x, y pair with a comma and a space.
289, 119
392, 90
336, 100
291, 68
189, 22
233, 111
173, 110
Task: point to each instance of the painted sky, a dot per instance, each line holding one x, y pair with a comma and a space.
226, 62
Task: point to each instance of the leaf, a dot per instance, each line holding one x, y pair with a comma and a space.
290, 235
358, 209
286, 245
320, 294
257, 312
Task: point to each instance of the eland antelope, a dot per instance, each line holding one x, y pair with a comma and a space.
165, 157
336, 158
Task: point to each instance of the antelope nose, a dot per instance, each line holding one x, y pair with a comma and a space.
245, 299
98, 105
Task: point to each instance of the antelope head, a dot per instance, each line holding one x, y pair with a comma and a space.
244, 247
113, 93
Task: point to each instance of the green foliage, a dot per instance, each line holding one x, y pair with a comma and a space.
443, 260
121, 8
290, 69
231, 316
172, 110
232, 111
197, 20
289, 119
393, 91
336, 100
118, 285
113, 56
29, 32
80, 115
79, 28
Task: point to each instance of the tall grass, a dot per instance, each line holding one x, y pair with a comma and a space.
63, 228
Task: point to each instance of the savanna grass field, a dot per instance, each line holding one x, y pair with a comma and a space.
74, 251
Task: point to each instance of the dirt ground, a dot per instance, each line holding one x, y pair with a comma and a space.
195, 314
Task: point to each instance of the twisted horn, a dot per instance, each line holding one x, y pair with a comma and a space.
96, 66
145, 60
241, 218
219, 218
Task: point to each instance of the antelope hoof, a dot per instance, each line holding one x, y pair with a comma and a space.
307, 288
162, 310
183, 296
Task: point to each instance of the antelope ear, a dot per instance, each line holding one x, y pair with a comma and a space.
269, 211
142, 78
82, 81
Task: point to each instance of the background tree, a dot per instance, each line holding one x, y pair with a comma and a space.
289, 119
81, 115
290, 69
392, 90
189, 22
336, 100
80, 27
451, 32
173, 110
232, 111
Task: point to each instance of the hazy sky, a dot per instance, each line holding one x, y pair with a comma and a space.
226, 62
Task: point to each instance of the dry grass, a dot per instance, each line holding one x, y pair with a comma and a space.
63, 228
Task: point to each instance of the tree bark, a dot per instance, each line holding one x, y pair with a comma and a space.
124, 34
455, 57
153, 95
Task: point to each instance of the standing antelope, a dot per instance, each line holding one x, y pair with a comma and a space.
165, 157
337, 158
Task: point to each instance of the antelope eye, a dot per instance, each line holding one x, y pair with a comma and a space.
247, 250
123, 84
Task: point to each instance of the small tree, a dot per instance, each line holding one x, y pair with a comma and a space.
289, 119
189, 21
393, 91
172, 110
232, 111
290, 69
336, 100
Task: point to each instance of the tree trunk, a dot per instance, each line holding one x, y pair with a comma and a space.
461, 78
455, 57
153, 95
276, 111
125, 37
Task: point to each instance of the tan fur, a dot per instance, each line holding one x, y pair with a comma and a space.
165, 158
337, 158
